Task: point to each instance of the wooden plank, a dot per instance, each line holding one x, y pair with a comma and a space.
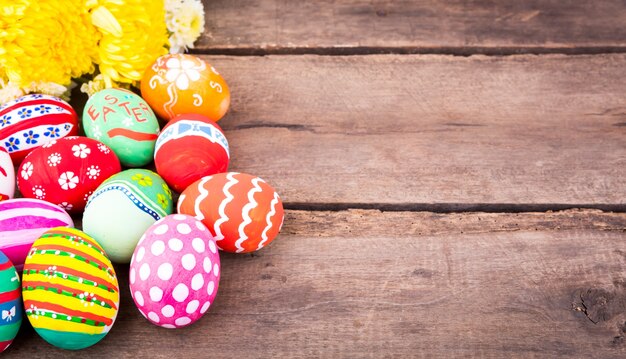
420, 26
367, 284
420, 131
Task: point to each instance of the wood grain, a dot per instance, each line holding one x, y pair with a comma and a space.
376, 290
455, 26
415, 131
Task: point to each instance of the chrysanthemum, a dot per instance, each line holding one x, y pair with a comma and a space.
185, 22
133, 36
44, 44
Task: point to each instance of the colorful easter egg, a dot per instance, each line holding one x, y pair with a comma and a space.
243, 212
67, 171
23, 221
34, 120
123, 207
7, 175
175, 271
189, 148
10, 302
124, 122
177, 83
70, 290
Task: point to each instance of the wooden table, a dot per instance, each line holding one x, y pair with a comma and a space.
454, 174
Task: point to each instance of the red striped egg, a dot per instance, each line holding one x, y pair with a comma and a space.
34, 120
7, 175
66, 171
242, 211
190, 147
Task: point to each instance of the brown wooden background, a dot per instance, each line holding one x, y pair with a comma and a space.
455, 179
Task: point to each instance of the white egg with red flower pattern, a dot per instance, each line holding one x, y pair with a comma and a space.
175, 271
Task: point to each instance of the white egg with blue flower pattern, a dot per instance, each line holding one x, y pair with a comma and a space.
32, 121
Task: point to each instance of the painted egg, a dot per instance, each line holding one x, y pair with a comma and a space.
70, 291
177, 83
175, 271
123, 207
22, 221
10, 302
189, 148
243, 212
123, 121
66, 171
34, 120
7, 175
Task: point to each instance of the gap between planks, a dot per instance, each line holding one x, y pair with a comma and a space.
384, 50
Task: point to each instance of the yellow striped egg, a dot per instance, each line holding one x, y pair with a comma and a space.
70, 291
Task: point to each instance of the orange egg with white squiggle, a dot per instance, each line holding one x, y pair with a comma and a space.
178, 84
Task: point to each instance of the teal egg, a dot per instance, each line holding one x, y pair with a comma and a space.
124, 122
123, 207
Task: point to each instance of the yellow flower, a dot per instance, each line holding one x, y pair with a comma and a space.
168, 191
185, 22
45, 42
162, 200
142, 179
133, 36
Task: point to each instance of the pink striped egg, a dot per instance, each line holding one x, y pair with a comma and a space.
175, 271
23, 221
34, 120
7, 175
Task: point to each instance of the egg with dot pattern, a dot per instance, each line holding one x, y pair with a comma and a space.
123, 207
70, 290
175, 271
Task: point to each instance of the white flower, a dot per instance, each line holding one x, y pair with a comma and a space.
9, 92
104, 149
68, 180
66, 206
182, 71
39, 192
185, 22
27, 170
93, 172
49, 144
86, 198
54, 159
127, 122
81, 150
49, 88
96, 132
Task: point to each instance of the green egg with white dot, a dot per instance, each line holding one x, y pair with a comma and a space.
123, 207
123, 121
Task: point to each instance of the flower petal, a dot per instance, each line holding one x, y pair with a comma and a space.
182, 82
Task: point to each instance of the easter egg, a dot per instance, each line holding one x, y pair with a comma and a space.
66, 171
123, 207
124, 122
7, 175
22, 221
242, 211
175, 271
34, 120
70, 291
189, 148
10, 302
177, 83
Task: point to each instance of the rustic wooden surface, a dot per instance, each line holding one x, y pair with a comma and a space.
410, 131
409, 26
371, 284
387, 165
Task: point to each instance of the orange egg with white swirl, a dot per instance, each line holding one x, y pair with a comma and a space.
179, 84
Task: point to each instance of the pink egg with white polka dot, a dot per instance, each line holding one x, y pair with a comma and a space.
175, 271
